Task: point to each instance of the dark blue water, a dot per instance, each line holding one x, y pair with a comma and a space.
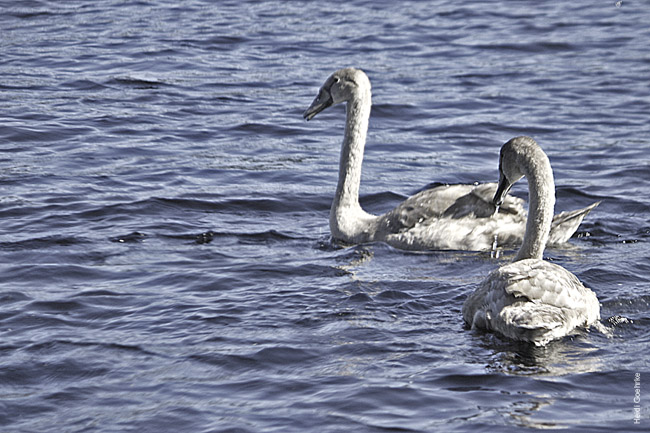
165, 260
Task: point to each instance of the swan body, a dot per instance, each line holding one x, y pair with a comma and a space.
531, 299
460, 217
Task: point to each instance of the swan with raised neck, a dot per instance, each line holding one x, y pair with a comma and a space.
530, 299
348, 221
459, 217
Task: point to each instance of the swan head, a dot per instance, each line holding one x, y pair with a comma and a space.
342, 86
510, 166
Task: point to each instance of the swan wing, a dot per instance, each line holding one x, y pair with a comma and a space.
542, 282
531, 300
450, 202
478, 203
566, 223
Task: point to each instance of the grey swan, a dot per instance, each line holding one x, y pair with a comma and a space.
530, 299
447, 217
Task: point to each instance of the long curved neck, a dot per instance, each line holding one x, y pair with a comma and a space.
541, 199
348, 221
354, 142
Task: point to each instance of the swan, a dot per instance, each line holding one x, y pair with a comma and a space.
530, 299
456, 217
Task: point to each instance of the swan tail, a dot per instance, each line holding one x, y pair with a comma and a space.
535, 323
565, 224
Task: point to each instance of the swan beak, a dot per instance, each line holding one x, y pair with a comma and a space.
322, 101
502, 190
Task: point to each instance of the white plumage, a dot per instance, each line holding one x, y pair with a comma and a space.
531, 299
458, 217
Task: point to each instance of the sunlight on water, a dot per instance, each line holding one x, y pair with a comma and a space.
165, 249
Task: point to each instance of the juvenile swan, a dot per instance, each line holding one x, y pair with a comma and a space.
458, 217
530, 299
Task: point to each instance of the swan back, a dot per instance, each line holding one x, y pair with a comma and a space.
531, 300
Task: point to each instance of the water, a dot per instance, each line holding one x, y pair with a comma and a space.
165, 255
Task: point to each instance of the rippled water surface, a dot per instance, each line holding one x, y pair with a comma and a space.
165, 258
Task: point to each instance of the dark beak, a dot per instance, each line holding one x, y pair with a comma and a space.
322, 101
502, 190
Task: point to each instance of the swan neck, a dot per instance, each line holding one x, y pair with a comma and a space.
541, 199
354, 141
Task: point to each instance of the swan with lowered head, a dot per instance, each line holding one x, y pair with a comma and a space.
530, 299
459, 217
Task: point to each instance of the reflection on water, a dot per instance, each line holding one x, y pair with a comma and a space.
523, 412
571, 355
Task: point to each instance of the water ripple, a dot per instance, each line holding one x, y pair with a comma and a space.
166, 257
